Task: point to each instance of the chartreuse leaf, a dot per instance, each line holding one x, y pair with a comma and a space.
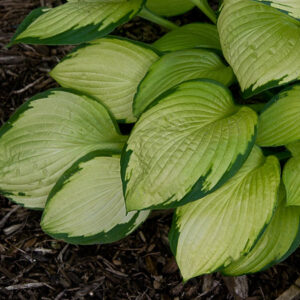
109, 69
278, 124
169, 8
294, 148
214, 231
290, 7
76, 21
291, 179
86, 206
281, 238
260, 43
186, 146
176, 67
45, 137
291, 175
200, 35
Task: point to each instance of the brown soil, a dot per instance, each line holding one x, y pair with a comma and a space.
34, 266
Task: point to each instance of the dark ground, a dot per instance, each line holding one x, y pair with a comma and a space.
34, 266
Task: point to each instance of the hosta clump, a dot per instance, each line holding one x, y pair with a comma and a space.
197, 146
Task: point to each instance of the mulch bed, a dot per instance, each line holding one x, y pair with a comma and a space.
35, 266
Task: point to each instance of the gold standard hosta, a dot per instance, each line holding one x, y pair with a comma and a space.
291, 176
176, 67
233, 216
75, 21
186, 146
195, 35
99, 69
261, 42
196, 146
91, 181
44, 138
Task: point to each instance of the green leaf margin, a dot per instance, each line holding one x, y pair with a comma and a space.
269, 3
195, 193
118, 232
23, 108
72, 36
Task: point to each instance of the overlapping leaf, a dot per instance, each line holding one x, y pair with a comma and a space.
45, 137
214, 231
294, 148
291, 175
109, 69
260, 43
76, 21
290, 7
200, 35
278, 123
186, 146
176, 67
281, 238
86, 206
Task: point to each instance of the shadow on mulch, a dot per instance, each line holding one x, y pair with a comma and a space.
34, 266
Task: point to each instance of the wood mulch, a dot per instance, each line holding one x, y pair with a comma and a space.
35, 266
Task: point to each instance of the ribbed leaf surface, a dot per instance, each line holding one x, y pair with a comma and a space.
291, 175
290, 7
260, 43
86, 206
185, 146
109, 69
281, 238
214, 231
76, 21
176, 67
45, 137
279, 123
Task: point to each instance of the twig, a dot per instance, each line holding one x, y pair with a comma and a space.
293, 293
24, 286
237, 286
12, 229
6, 217
44, 251
12, 59
61, 253
28, 86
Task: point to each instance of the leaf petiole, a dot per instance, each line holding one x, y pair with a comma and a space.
147, 14
206, 9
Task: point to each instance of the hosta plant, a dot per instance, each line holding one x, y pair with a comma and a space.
216, 135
